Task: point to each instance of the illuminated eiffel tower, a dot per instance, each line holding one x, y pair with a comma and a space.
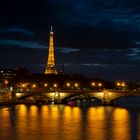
50, 68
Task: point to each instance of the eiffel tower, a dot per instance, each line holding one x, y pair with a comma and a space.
50, 68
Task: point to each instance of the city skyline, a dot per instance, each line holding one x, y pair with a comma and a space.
96, 38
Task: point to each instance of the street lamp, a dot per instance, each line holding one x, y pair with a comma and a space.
76, 85
93, 84
68, 84
55, 85
100, 84
6, 82
34, 86
45, 85
121, 85
118, 84
23, 85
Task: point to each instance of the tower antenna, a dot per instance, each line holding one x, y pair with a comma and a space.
51, 28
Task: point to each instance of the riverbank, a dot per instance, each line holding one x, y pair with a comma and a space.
27, 102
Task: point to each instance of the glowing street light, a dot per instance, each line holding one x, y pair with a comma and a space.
34, 86
45, 85
55, 85
6, 82
118, 84
93, 84
100, 84
68, 84
123, 84
76, 85
23, 85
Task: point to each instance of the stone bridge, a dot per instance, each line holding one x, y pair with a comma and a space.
106, 96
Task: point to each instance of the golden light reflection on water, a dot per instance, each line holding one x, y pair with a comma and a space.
71, 112
22, 109
33, 111
4, 112
68, 123
73, 129
121, 124
45, 112
96, 122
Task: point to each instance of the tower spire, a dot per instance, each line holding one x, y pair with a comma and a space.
50, 68
51, 28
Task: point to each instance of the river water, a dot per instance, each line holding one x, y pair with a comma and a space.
62, 122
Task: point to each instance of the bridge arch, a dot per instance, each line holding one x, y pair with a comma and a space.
80, 96
25, 96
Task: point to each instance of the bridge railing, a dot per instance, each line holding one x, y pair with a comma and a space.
58, 90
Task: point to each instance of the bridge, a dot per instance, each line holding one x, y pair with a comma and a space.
59, 96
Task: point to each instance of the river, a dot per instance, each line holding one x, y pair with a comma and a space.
62, 122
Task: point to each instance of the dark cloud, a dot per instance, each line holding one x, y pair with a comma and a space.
94, 37
17, 30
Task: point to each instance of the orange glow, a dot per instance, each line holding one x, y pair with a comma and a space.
55, 85
68, 84
118, 84
6, 82
99, 116
23, 85
121, 115
45, 85
18, 94
100, 84
22, 111
123, 84
76, 84
93, 84
33, 111
34, 86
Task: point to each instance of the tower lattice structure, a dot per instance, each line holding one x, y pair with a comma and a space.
50, 68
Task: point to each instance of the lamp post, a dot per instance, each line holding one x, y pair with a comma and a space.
45, 86
96, 85
68, 84
121, 85
76, 85
55, 85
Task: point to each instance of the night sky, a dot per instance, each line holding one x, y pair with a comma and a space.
98, 38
